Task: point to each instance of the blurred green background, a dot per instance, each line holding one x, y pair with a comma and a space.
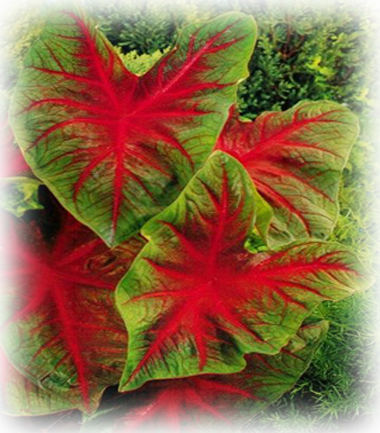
305, 50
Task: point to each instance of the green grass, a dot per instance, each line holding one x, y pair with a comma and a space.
341, 390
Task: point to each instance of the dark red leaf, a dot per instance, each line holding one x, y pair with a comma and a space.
295, 159
62, 331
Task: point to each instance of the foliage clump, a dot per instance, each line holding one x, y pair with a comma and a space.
20, 24
310, 52
145, 26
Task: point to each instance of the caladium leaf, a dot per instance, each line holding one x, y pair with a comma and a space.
62, 330
12, 162
23, 397
295, 158
195, 301
102, 138
223, 402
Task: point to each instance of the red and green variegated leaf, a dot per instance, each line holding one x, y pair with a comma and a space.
195, 301
202, 403
22, 397
62, 330
12, 162
295, 159
116, 148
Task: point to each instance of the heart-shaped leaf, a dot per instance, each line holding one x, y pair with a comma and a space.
62, 331
220, 402
23, 397
12, 162
195, 301
115, 148
295, 159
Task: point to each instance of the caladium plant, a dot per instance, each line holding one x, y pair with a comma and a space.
144, 274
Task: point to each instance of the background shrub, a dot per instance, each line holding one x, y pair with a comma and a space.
20, 23
148, 25
318, 49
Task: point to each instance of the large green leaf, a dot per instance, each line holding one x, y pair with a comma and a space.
195, 301
212, 402
116, 148
295, 158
